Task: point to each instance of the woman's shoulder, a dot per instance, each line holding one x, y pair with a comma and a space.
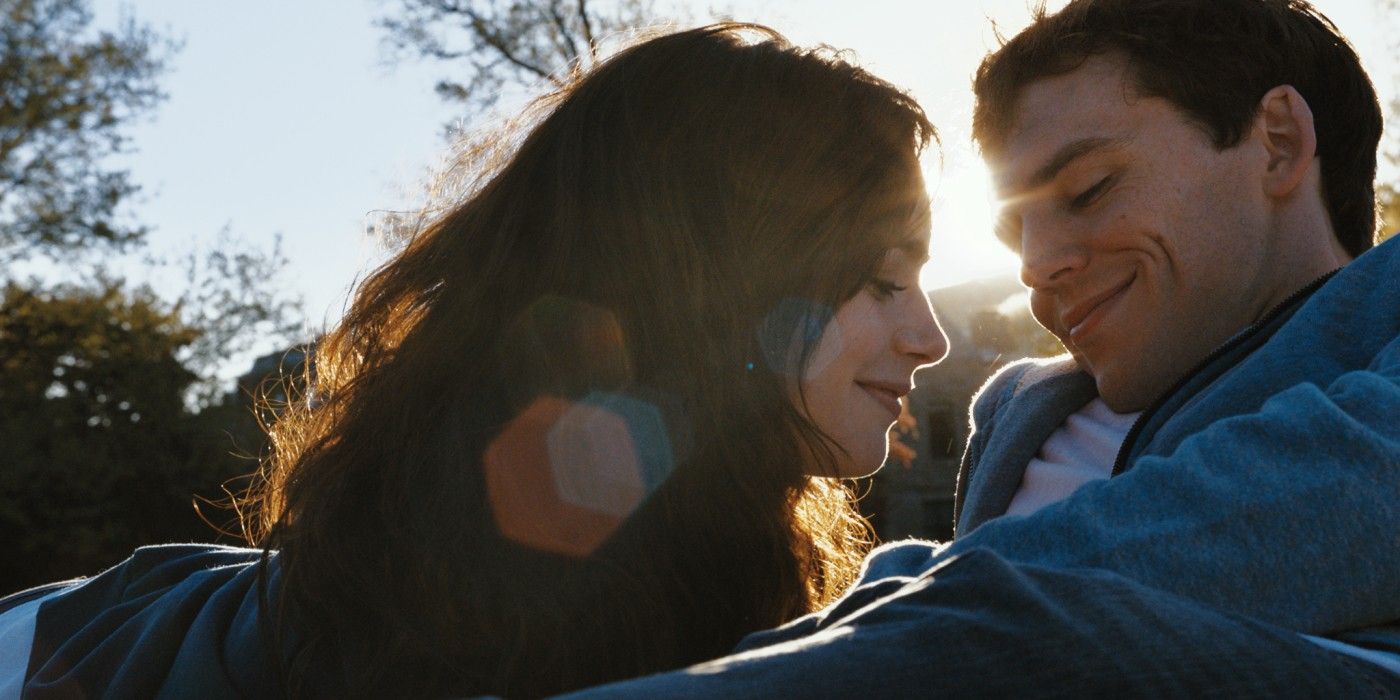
179, 612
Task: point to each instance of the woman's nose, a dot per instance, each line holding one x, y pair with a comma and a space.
920, 336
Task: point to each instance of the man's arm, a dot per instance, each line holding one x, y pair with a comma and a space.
977, 624
1290, 514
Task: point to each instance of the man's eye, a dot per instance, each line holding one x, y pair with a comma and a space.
884, 289
1088, 196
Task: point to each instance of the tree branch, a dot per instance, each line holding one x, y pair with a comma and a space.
494, 40
588, 31
572, 48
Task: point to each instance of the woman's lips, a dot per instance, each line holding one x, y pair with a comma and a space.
885, 396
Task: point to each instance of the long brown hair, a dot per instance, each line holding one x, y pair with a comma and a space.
682, 192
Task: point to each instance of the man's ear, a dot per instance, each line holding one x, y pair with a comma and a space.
1286, 123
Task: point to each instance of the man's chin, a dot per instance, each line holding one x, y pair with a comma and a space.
1120, 396
1122, 392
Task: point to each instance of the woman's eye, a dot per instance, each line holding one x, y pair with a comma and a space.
884, 289
1088, 196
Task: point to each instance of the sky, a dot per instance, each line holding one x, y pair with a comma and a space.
284, 118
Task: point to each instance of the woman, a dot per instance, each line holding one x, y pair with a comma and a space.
581, 427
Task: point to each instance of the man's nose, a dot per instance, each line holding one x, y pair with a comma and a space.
1050, 251
920, 336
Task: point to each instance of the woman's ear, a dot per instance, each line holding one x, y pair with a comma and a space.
1286, 124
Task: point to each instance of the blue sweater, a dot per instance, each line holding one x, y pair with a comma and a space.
1267, 483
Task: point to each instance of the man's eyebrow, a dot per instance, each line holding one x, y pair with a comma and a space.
1067, 154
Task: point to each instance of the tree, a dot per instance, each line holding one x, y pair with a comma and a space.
65, 97
118, 430
233, 299
115, 421
100, 453
104, 451
496, 44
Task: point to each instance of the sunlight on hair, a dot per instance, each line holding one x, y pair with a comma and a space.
795, 325
564, 475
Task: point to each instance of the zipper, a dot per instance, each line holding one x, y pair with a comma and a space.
1120, 464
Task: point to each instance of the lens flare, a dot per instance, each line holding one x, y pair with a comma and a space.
564, 475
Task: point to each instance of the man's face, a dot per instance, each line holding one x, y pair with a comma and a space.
1144, 246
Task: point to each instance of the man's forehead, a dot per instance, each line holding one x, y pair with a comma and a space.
1062, 117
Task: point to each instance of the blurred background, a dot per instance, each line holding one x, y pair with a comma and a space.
189, 189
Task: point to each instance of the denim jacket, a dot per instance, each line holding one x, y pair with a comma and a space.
1266, 483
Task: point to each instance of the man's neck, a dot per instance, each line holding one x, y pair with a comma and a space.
1305, 249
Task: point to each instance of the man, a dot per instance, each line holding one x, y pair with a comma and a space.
1177, 201
1181, 180
1184, 179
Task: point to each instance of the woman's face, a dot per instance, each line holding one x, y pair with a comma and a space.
863, 364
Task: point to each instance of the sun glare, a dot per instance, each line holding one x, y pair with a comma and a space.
962, 246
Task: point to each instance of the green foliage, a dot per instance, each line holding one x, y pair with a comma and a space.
495, 44
117, 431
65, 97
115, 421
104, 355
100, 452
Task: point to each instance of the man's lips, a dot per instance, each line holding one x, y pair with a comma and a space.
1084, 317
886, 393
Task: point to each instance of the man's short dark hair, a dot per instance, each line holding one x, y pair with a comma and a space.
1214, 60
